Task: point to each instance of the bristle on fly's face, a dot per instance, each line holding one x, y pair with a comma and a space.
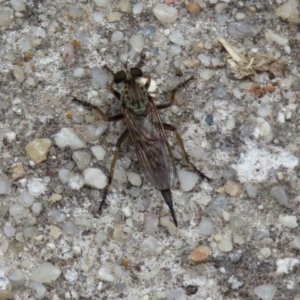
168, 199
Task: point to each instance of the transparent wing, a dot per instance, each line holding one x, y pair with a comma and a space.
151, 146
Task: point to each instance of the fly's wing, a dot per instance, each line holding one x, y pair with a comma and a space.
152, 148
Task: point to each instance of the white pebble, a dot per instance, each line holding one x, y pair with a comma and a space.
152, 245
297, 242
281, 118
165, 13
64, 175
174, 50
225, 245
6, 16
102, 3
263, 130
207, 74
45, 273
78, 72
67, 137
126, 211
265, 291
280, 40
9, 230
99, 77
19, 73
286, 265
26, 199
95, 132
135, 179
76, 182
240, 16
36, 186
205, 60
264, 111
137, 42
206, 226
67, 52
98, 17
177, 38
187, 179
95, 178
137, 8
39, 32
5, 186
105, 274
265, 252
30, 81
82, 159
117, 36
17, 5
288, 221
150, 223
75, 12
98, 152
40, 289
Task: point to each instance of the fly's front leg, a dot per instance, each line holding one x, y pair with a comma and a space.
185, 159
100, 112
119, 144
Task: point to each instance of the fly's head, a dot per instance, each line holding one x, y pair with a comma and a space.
128, 75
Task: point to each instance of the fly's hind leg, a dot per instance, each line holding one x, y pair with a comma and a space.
119, 144
185, 159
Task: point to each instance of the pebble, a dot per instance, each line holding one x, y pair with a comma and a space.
95, 178
150, 223
288, 221
241, 30
19, 73
134, 178
75, 12
191, 63
187, 179
6, 16
175, 294
57, 215
233, 189
26, 199
238, 239
105, 274
37, 149
36, 186
205, 199
82, 159
55, 232
40, 290
289, 11
235, 222
280, 196
30, 81
217, 206
124, 6
137, 42
102, 3
251, 189
67, 52
204, 59
200, 254
5, 186
117, 36
165, 14
16, 279
193, 8
297, 242
17, 5
98, 17
76, 182
100, 238
152, 245
240, 16
166, 222
9, 230
265, 252
265, 291
177, 38
67, 137
54, 198
225, 245
263, 130
206, 226
98, 152
280, 40
114, 17
137, 8
78, 73
286, 265
70, 228
99, 77
174, 50
45, 273
207, 74
220, 7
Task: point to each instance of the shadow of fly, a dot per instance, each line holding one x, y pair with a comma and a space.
146, 132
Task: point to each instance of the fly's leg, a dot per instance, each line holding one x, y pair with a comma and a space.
185, 159
119, 144
100, 112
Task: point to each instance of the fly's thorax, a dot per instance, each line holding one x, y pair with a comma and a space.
135, 97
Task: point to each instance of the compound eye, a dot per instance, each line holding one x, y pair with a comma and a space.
119, 77
136, 72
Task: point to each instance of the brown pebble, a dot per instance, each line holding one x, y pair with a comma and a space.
233, 189
193, 8
200, 254
17, 171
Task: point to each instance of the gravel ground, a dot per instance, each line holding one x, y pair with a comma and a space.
238, 235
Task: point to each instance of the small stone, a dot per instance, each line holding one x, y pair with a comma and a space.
30, 81
205, 60
165, 14
19, 73
137, 8
280, 196
16, 210
280, 40
187, 179
17, 171
150, 223
98, 152
100, 238
95, 178
117, 36
137, 42
114, 17
135, 179
207, 74
238, 239
67, 52
124, 6
166, 222
206, 226
45, 273
174, 50
82, 159
102, 3
152, 245
39, 289
76, 182
98, 17
263, 130
225, 245
235, 223
286, 265
175, 294
26, 199
75, 12
177, 38
217, 205
233, 189
200, 254
193, 8
191, 63
289, 11
54, 198
17, 5
36, 186
265, 291
16, 279
78, 72
240, 16
9, 230
37, 149
242, 30
297, 242
265, 252
67, 137
5, 186
55, 232
6, 16
288, 221
105, 274
264, 111
70, 228
220, 7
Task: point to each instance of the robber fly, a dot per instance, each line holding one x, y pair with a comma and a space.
146, 132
